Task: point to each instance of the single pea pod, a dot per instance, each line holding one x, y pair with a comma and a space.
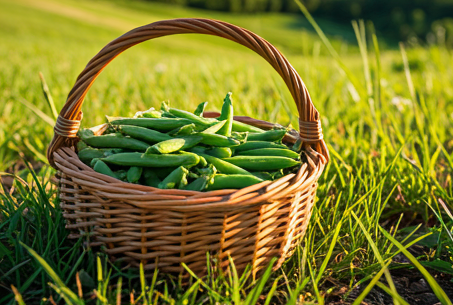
297, 147
270, 152
217, 140
154, 160
169, 146
85, 133
197, 120
151, 178
200, 160
214, 128
94, 161
257, 145
88, 154
184, 130
134, 173
103, 168
81, 145
224, 166
227, 114
219, 152
262, 163
198, 184
162, 124
203, 162
116, 140
144, 134
263, 175
241, 127
270, 135
200, 109
198, 150
150, 113
233, 182
174, 179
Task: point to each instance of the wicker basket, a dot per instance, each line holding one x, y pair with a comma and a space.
143, 224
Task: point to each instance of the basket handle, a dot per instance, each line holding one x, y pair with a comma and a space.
68, 121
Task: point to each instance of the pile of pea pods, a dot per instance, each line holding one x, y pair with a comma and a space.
177, 149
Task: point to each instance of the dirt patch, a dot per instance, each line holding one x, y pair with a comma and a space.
410, 285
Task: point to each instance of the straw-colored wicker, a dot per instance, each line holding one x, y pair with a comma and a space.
143, 224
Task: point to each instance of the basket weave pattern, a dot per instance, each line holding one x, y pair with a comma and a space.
138, 223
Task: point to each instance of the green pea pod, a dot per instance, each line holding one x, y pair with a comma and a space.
257, 145
81, 145
262, 163
85, 133
200, 109
215, 128
169, 146
232, 182
94, 161
240, 136
108, 152
164, 172
162, 124
197, 120
263, 175
199, 159
166, 147
270, 152
227, 114
241, 127
121, 174
217, 140
150, 113
88, 154
103, 168
174, 179
143, 134
203, 162
270, 135
220, 152
184, 130
211, 170
134, 173
297, 147
116, 140
164, 107
198, 184
224, 166
143, 160
207, 175
151, 178
198, 150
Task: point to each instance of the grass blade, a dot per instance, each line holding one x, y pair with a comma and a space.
377, 254
438, 291
48, 96
60, 286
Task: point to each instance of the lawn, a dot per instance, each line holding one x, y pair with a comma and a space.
381, 223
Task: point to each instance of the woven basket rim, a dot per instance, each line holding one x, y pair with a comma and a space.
67, 161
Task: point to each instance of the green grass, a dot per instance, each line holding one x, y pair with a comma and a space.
386, 115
